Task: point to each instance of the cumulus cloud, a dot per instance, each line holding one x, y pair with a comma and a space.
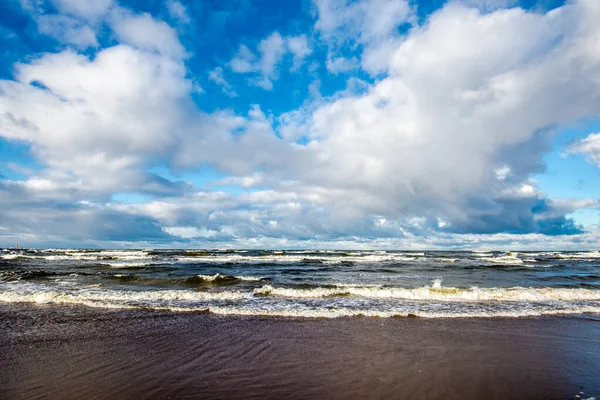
438, 151
123, 100
75, 23
365, 21
117, 114
147, 33
272, 49
68, 30
244, 61
299, 47
97, 123
371, 25
465, 94
93, 122
590, 146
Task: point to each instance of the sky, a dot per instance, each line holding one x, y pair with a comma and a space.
328, 124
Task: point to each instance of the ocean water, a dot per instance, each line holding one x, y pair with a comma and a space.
325, 284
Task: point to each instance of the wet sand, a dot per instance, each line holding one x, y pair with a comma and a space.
75, 352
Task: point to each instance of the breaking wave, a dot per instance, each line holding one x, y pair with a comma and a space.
432, 301
307, 283
438, 293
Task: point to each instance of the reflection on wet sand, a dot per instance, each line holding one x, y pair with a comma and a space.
62, 352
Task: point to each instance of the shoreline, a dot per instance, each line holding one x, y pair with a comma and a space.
75, 352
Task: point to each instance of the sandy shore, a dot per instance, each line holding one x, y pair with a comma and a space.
75, 352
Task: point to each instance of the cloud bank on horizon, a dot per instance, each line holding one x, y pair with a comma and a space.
323, 124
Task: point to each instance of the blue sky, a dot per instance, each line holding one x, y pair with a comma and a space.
314, 123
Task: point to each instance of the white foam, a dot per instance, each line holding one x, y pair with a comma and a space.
113, 297
493, 303
435, 292
438, 293
79, 255
126, 264
216, 277
549, 254
12, 256
294, 258
578, 256
507, 259
348, 312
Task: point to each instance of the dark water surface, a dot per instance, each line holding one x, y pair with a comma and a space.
308, 283
74, 352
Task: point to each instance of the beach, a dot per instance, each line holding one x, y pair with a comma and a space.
303, 324
69, 352
314, 199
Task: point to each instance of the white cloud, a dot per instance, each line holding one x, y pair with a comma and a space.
67, 30
444, 143
490, 5
178, 11
32, 6
340, 64
244, 61
146, 33
589, 146
466, 94
272, 50
189, 232
91, 10
502, 172
95, 120
248, 181
371, 25
75, 23
343, 20
97, 123
216, 75
299, 47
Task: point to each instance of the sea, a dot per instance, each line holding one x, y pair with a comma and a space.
308, 283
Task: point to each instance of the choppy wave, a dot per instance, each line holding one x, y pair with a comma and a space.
300, 258
128, 264
75, 255
438, 293
481, 253
113, 298
307, 283
220, 279
222, 306
582, 255
503, 259
329, 302
10, 276
191, 281
280, 256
